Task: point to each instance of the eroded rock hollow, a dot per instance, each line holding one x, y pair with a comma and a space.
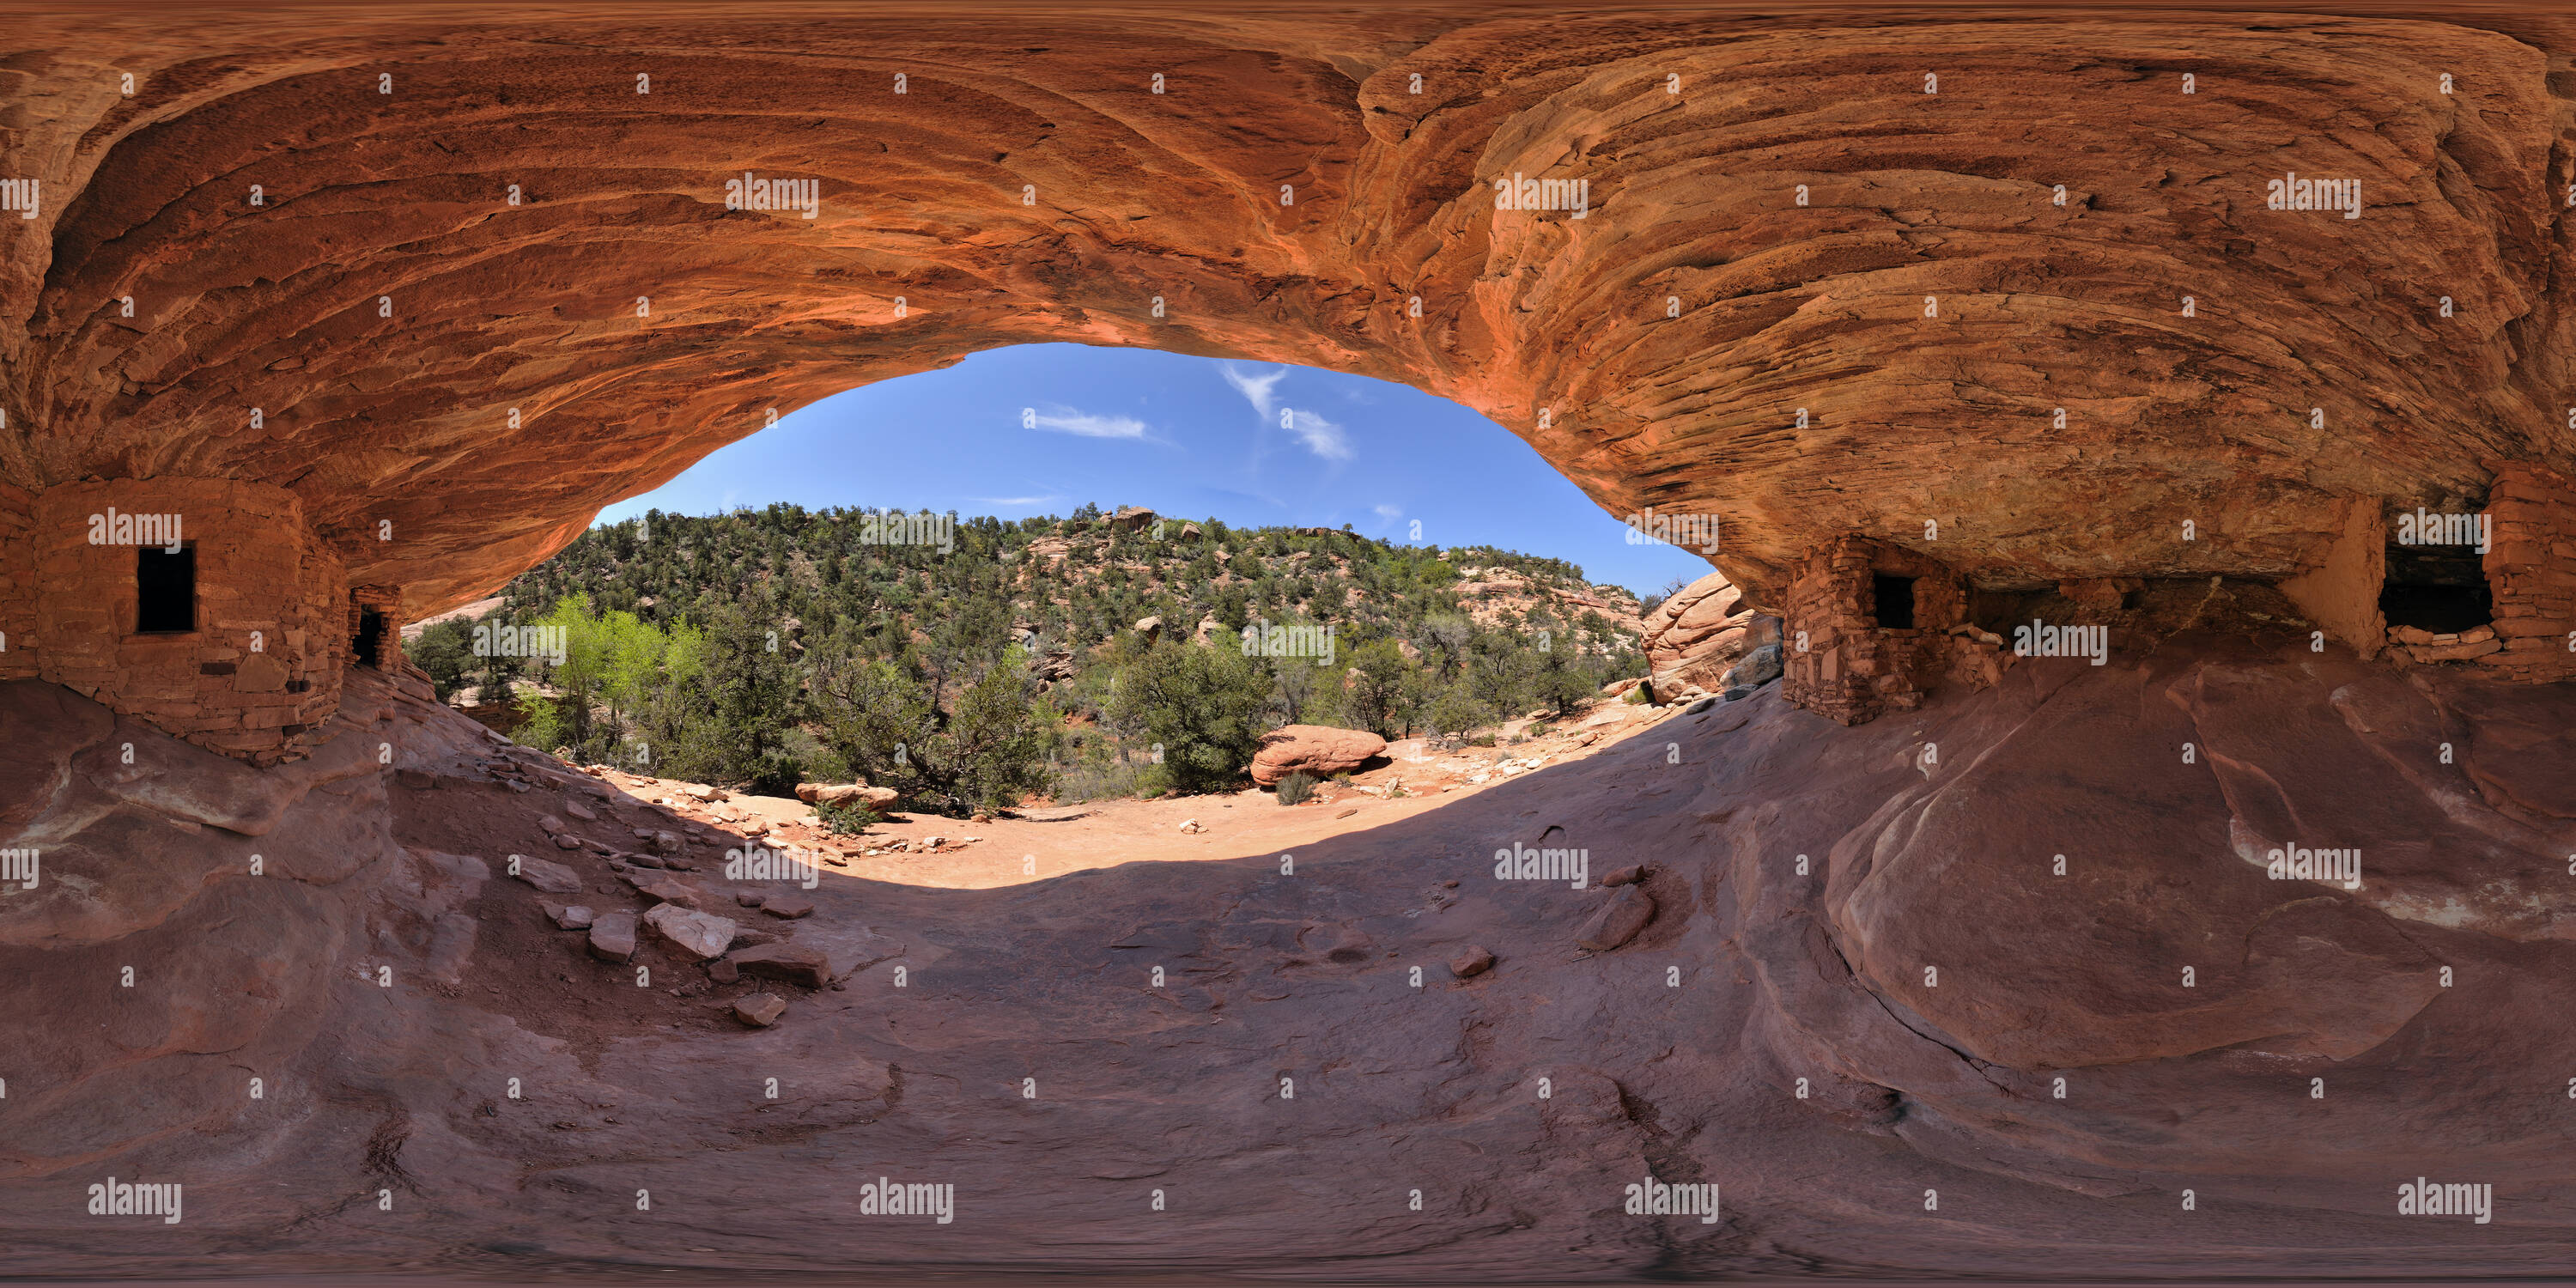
1958, 951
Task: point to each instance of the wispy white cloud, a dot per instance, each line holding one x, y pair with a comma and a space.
1255, 389
1066, 420
1321, 436
1015, 502
1389, 511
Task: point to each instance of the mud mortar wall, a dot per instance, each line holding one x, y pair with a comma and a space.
2532, 570
261, 668
1838, 661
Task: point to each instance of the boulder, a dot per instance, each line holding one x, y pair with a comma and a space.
1691, 639
1757, 668
1617, 920
546, 874
760, 1010
667, 890
576, 917
701, 935
1132, 518
1314, 750
1150, 627
612, 936
789, 906
872, 799
1471, 961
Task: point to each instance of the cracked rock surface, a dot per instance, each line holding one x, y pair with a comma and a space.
1912, 1084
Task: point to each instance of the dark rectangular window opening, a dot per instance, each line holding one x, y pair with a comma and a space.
1894, 597
2442, 589
368, 643
165, 590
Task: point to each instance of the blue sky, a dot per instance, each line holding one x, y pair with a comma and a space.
1184, 436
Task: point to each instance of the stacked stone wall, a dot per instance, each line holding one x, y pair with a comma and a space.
260, 669
1839, 662
2531, 568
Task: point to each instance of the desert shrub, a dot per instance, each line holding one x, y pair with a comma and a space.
1454, 710
1295, 789
983, 750
541, 722
846, 820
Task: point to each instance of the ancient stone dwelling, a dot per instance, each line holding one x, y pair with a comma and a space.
1871, 627
208, 608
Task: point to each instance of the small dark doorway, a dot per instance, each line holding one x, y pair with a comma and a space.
369, 641
2442, 589
165, 590
1894, 597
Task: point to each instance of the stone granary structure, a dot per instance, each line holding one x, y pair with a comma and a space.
2243, 336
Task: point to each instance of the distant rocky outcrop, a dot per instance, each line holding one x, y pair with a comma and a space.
1694, 639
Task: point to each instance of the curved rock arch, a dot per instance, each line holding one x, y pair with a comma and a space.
399, 412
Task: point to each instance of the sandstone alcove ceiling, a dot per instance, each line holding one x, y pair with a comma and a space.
462, 225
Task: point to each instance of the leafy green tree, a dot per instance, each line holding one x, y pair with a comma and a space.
1498, 675
1382, 690
1559, 681
541, 723
1453, 709
1293, 690
1444, 642
1201, 706
890, 728
445, 651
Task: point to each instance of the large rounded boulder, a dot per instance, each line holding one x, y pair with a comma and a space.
1315, 750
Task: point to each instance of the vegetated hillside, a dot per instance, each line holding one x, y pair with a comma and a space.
969, 663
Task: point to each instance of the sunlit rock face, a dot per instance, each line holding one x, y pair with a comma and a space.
478, 275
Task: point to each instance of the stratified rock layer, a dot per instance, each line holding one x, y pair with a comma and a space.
459, 279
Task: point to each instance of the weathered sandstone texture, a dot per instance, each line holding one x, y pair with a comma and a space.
395, 299
1695, 638
1891, 934
1319, 751
457, 279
